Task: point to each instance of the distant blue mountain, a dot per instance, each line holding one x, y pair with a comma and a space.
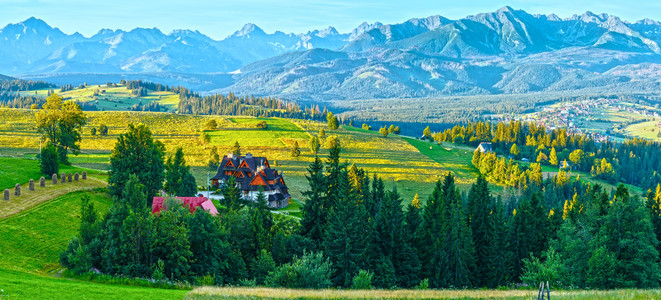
506, 51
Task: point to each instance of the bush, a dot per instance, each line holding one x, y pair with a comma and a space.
311, 271
48, 160
551, 269
424, 284
362, 280
331, 141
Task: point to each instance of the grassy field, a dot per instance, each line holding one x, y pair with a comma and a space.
647, 130
19, 170
396, 160
273, 293
30, 243
112, 98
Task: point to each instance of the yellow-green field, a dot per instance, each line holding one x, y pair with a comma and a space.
395, 159
112, 98
647, 130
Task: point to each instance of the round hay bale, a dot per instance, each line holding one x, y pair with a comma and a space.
31, 187
17, 190
54, 178
76, 176
6, 195
42, 182
84, 175
69, 177
63, 177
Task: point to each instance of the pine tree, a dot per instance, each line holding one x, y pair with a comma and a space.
514, 150
232, 195
188, 186
427, 132
347, 234
214, 159
496, 256
480, 210
176, 170
261, 221
460, 251
393, 245
314, 213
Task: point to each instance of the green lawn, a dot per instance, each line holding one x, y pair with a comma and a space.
21, 285
13, 171
30, 243
279, 133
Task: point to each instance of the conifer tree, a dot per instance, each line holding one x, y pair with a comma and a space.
496, 257
232, 195
314, 213
176, 170
347, 234
480, 210
261, 222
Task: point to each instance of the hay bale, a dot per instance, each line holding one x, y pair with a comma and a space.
63, 177
84, 175
17, 190
31, 187
54, 178
6, 196
42, 182
75, 176
69, 177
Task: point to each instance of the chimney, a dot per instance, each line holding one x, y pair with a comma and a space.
230, 155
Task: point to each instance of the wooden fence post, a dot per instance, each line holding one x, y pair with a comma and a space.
6, 195
54, 178
17, 190
42, 181
63, 177
31, 185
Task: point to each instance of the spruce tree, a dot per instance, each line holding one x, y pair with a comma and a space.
232, 199
314, 215
347, 234
480, 211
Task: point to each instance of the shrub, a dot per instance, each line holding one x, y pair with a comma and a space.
331, 141
48, 161
424, 284
310, 271
551, 269
263, 265
362, 280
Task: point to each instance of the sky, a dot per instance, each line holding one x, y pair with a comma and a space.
220, 18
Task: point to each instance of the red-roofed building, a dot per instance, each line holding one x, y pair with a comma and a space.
192, 203
253, 174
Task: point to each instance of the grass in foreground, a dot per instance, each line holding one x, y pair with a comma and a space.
30, 243
32, 240
19, 285
277, 293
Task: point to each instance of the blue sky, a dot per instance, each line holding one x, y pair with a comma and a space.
219, 18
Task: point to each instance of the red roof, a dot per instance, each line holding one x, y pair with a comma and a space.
192, 203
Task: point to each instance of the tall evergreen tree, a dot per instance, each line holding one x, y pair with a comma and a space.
480, 210
232, 199
347, 234
314, 213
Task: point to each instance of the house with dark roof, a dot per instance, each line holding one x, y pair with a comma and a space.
192, 203
484, 147
253, 174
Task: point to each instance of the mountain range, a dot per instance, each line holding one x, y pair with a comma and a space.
503, 52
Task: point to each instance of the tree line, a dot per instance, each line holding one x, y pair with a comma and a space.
634, 161
354, 229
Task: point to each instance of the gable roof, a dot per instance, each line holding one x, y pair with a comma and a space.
192, 203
